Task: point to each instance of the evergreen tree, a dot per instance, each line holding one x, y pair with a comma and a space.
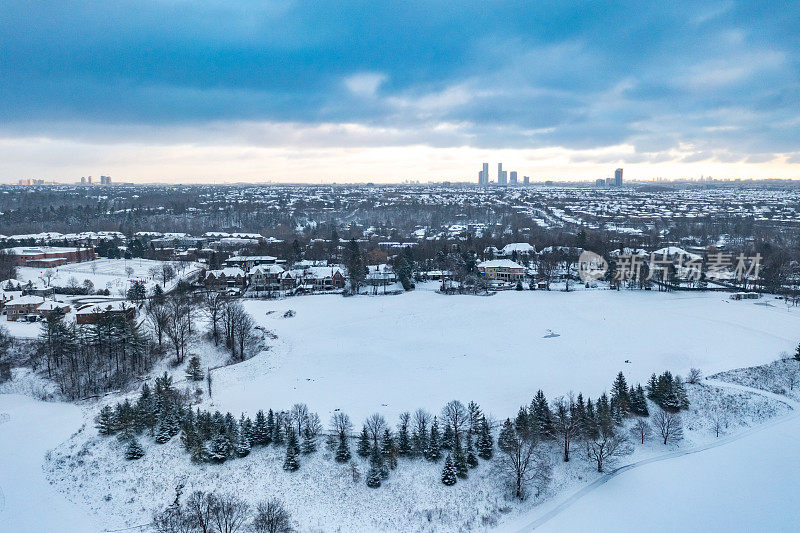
403, 437
680, 393
591, 429
163, 431
270, 428
134, 451
449, 472
146, 410
218, 453
542, 416
619, 398
105, 422
605, 419
243, 440
278, 435
194, 372
260, 434
485, 441
364, 443
460, 461
199, 452
446, 442
309, 441
291, 463
433, 452
472, 460
388, 450
376, 469
343, 451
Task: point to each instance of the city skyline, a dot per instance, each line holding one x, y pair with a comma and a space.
254, 92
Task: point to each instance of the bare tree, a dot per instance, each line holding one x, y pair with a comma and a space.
200, 510
173, 519
790, 377
158, 317
668, 425
641, 430
272, 517
299, 416
178, 325
230, 514
719, 419
694, 376
341, 425
375, 425
565, 425
212, 305
456, 416
520, 459
605, 447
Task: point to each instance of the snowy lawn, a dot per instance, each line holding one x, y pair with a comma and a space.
111, 274
28, 429
421, 349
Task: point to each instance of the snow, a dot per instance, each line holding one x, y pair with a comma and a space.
422, 349
104, 273
746, 485
27, 501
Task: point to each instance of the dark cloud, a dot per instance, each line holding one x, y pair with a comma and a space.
717, 76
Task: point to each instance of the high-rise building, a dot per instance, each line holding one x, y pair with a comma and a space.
502, 175
83, 180
526, 180
486, 174
618, 178
513, 178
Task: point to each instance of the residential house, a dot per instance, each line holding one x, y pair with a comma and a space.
93, 313
501, 270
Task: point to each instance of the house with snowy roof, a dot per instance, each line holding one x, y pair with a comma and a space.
503, 270
226, 278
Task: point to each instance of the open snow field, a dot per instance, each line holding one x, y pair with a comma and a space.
108, 274
28, 429
744, 486
421, 349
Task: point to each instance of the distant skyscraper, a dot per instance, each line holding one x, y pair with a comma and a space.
618, 178
502, 175
485, 174
513, 178
526, 180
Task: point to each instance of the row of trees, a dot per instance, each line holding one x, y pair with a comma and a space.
459, 434
204, 512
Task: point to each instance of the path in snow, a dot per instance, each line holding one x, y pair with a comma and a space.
552, 519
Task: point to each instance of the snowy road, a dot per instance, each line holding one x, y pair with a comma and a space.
27, 501
716, 498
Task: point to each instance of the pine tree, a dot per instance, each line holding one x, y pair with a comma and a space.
460, 461
388, 450
680, 393
403, 437
446, 443
163, 431
605, 420
260, 434
134, 451
270, 428
375, 473
472, 461
485, 441
542, 416
619, 398
309, 441
278, 436
243, 442
105, 422
343, 451
449, 472
291, 463
641, 401
591, 428
218, 453
146, 410
364, 443
433, 452
194, 371
199, 452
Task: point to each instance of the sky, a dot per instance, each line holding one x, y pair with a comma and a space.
299, 91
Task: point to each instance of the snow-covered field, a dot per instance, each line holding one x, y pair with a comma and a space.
397, 353
111, 274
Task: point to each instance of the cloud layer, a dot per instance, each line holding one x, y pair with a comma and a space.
680, 82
